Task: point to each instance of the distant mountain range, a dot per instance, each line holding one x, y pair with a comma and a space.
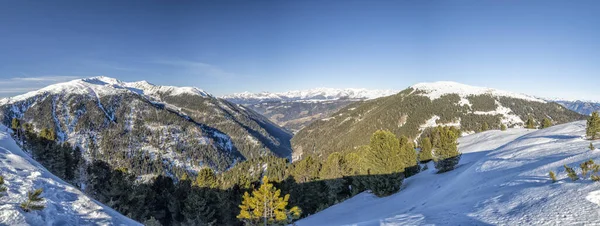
176, 127
294, 110
582, 107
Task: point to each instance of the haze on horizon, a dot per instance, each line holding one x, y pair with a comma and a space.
541, 48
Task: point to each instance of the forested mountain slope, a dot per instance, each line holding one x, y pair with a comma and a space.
148, 128
502, 179
581, 107
65, 205
425, 105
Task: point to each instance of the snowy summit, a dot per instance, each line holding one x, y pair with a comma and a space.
435, 90
102, 85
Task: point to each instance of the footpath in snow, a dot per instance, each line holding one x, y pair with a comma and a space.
502, 179
65, 205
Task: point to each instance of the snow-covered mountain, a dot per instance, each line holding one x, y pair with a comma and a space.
435, 90
184, 126
582, 107
65, 205
318, 94
412, 111
502, 179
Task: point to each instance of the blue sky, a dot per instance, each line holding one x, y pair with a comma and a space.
545, 48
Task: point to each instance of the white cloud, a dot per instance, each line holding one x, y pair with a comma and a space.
198, 68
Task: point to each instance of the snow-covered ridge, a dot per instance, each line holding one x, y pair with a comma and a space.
101, 85
435, 90
65, 205
311, 94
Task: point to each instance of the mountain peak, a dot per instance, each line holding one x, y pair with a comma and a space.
316, 94
434, 90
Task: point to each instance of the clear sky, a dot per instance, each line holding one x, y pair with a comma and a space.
546, 48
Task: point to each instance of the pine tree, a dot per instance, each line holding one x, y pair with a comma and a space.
571, 173
552, 176
15, 124
206, 178
197, 208
266, 206
306, 170
591, 147
2, 187
409, 156
586, 167
384, 154
33, 198
503, 127
593, 126
445, 152
425, 155
152, 222
530, 123
546, 123
485, 127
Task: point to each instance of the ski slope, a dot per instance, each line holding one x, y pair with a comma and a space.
502, 179
65, 205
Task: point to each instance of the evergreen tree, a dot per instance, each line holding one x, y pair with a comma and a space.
503, 127
552, 176
409, 156
591, 147
152, 222
32, 202
306, 170
425, 155
593, 126
546, 123
333, 171
266, 206
206, 178
2, 187
384, 155
530, 123
445, 152
198, 209
15, 124
485, 126
571, 173
586, 167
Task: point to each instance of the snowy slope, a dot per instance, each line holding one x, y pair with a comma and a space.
65, 205
502, 179
308, 95
435, 90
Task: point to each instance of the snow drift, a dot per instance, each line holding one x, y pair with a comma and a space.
65, 205
502, 179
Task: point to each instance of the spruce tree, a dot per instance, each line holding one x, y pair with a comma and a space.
552, 176
571, 173
546, 123
384, 154
2, 187
32, 202
503, 127
530, 123
425, 155
266, 206
409, 156
206, 178
445, 153
593, 126
485, 127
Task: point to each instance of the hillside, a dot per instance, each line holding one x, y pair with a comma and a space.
65, 205
502, 179
581, 107
421, 106
295, 110
177, 127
